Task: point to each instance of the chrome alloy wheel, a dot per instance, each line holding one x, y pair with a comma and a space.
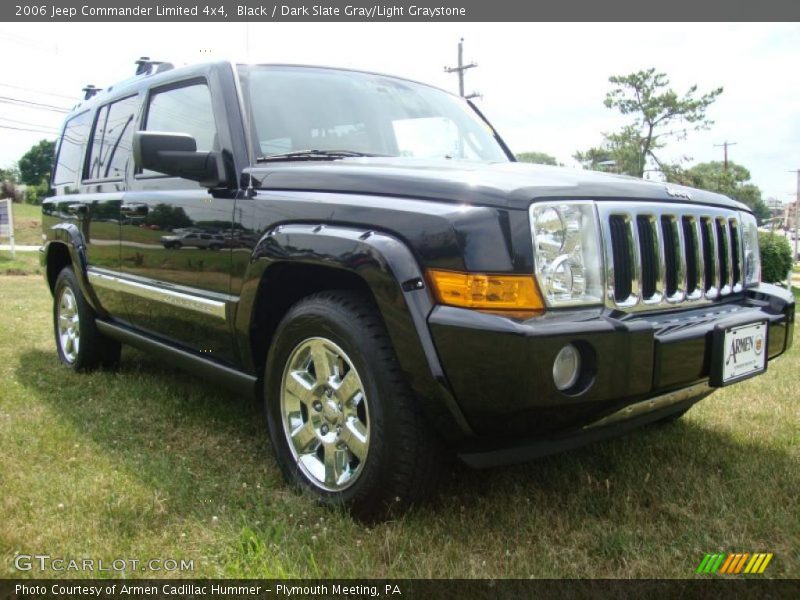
69, 335
324, 414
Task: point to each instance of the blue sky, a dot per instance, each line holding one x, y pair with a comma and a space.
543, 84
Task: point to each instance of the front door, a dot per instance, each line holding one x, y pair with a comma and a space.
176, 234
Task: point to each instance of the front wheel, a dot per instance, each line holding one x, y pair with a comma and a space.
342, 420
79, 344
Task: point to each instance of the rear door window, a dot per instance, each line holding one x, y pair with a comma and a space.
111, 143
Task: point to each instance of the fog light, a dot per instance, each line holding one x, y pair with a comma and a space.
566, 367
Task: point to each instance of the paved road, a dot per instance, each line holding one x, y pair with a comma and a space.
19, 248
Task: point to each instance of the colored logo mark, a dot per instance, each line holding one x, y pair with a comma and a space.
734, 563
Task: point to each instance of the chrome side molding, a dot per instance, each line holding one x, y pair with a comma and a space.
183, 298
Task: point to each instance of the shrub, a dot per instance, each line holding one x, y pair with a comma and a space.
34, 194
776, 257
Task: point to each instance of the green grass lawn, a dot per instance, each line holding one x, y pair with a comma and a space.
150, 462
23, 263
27, 224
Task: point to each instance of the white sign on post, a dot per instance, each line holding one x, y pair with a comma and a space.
7, 222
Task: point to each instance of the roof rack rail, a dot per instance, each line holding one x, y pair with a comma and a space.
90, 91
144, 66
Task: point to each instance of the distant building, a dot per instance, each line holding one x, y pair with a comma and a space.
777, 215
790, 215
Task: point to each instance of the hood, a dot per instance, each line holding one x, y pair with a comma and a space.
504, 185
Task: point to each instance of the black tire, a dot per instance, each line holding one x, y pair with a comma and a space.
405, 457
93, 349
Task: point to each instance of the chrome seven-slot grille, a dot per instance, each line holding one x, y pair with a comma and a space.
663, 255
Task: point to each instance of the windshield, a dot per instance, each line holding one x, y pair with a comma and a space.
298, 109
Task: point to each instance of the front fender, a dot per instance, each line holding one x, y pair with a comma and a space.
397, 283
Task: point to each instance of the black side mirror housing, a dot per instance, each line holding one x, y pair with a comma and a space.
176, 154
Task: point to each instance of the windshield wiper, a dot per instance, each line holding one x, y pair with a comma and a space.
313, 155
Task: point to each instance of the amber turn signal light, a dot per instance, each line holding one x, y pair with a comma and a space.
495, 293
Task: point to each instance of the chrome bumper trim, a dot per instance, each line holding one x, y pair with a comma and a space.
651, 404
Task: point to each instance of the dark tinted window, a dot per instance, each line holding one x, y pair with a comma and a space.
70, 152
111, 145
184, 110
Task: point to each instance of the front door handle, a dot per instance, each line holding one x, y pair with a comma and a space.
134, 210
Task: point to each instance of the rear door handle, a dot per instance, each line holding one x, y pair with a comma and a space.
135, 210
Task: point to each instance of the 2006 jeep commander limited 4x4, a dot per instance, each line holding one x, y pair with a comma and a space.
389, 281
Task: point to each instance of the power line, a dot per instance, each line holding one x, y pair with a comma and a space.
26, 129
26, 89
30, 104
56, 129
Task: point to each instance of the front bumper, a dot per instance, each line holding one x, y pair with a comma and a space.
500, 370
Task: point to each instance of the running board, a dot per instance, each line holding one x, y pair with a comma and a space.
202, 367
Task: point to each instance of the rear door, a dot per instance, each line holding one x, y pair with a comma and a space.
181, 280
89, 182
103, 181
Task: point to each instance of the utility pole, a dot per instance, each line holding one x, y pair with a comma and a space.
460, 70
725, 145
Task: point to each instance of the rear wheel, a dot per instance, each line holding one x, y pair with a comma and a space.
342, 419
79, 344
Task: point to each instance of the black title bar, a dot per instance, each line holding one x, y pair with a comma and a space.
415, 11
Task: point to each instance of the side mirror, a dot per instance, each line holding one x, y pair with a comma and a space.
176, 154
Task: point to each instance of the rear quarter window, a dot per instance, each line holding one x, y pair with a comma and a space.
70, 150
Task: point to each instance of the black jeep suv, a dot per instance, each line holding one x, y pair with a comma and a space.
388, 280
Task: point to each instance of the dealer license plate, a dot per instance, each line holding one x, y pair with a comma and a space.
744, 352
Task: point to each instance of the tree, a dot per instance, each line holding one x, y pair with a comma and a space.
36, 164
733, 182
8, 187
618, 154
658, 113
597, 159
168, 217
10, 174
539, 158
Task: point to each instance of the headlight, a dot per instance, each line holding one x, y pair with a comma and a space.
567, 252
752, 255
